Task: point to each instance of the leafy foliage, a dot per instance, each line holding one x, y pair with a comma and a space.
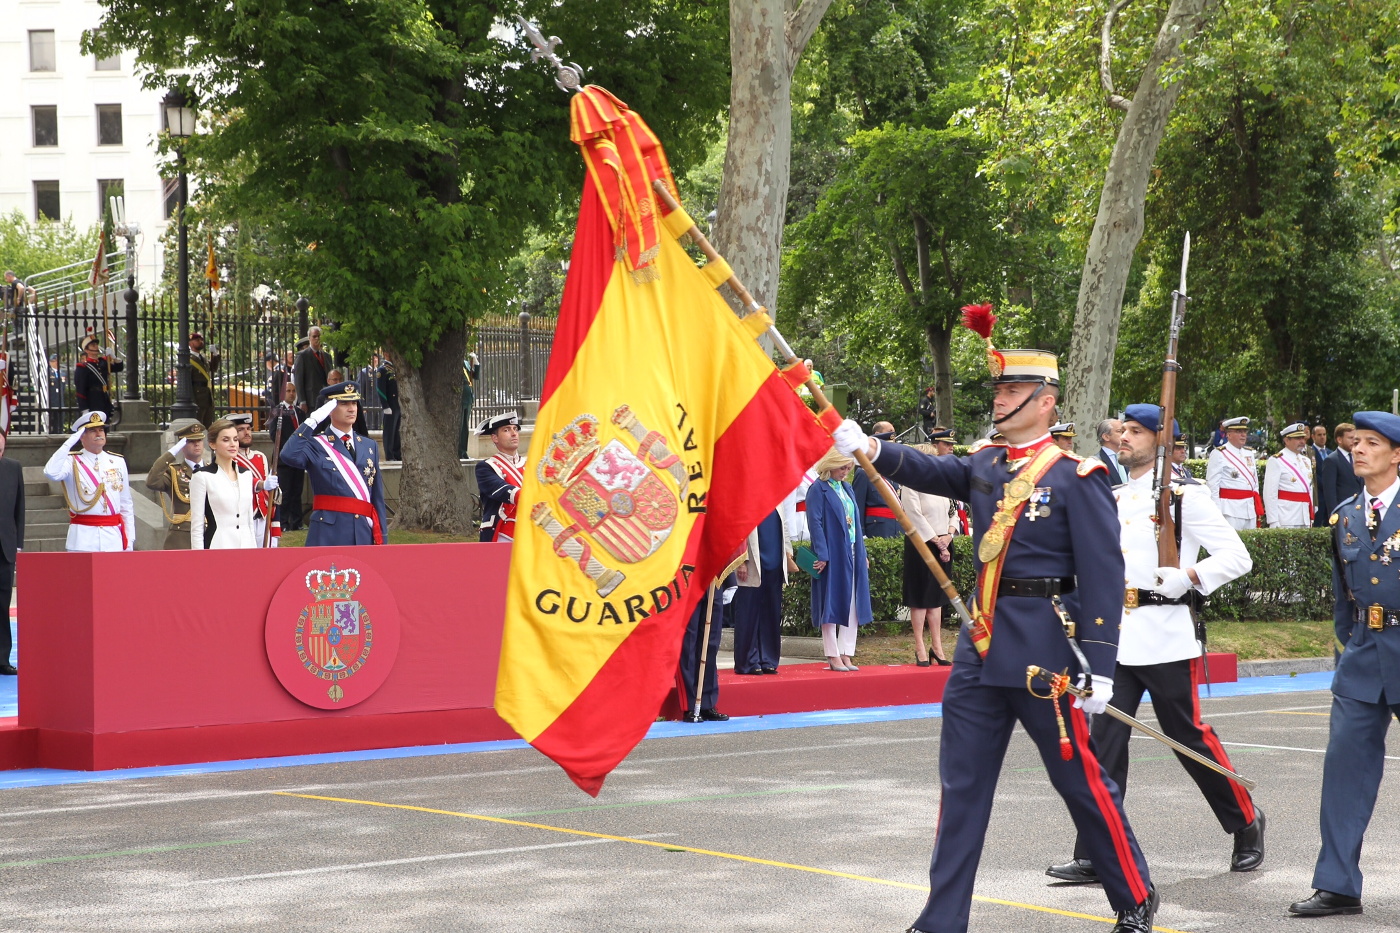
29, 247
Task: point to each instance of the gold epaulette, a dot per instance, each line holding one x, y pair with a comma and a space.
1071, 455
983, 444
1088, 465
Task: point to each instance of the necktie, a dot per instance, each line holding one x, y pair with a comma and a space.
1376, 507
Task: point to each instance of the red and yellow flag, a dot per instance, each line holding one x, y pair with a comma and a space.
211, 266
665, 435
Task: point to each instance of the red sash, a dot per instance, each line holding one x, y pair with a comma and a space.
1299, 497
1245, 494
353, 507
100, 521
879, 511
505, 519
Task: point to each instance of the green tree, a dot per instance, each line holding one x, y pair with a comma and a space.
414, 146
28, 247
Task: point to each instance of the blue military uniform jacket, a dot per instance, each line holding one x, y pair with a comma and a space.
1368, 668
1078, 539
883, 525
305, 452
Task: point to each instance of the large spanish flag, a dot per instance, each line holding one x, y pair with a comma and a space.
665, 435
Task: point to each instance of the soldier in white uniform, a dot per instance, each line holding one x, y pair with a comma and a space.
1157, 644
1289, 501
96, 487
1233, 478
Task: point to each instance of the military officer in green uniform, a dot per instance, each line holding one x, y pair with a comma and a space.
471, 369
170, 480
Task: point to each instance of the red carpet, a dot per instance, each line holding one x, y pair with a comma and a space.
796, 688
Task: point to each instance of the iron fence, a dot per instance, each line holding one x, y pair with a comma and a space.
44, 338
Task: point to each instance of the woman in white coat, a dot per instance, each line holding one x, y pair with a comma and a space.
221, 495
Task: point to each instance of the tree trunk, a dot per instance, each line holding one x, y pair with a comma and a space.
433, 482
766, 39
940, 344
1088, 372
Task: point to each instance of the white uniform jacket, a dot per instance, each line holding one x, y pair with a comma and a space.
95, 485
1158, 634
1233, 468
1292, 475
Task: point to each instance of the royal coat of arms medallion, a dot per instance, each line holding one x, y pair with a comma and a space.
332, 633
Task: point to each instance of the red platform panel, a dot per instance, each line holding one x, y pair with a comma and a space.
158, 657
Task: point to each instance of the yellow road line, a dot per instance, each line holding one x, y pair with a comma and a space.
1295, 712
670, 846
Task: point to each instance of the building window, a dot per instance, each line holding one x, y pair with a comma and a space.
112, 62
46, 204
170, 195
41, 51
45, 121
109, 124
108, 188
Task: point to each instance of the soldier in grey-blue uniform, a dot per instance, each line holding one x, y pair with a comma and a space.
1366, 686
344, 468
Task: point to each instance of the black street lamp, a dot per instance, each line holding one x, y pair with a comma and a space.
179, 123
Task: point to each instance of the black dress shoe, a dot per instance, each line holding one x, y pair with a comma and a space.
919, 663
713, 715
8, 669
1075, 871
691, 717
1139, 918
769, 670
1249, 845
755, 671
1325, 904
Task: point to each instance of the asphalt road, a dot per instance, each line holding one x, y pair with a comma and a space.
811, 829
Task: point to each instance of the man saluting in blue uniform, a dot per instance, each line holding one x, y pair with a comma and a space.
1366, 686
348, 493
1043, 526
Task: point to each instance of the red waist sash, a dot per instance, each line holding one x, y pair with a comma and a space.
1287, 496
1245, 494
353, 507
879, 511
100, 521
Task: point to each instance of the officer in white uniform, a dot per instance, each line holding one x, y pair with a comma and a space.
1233, 478
96, 487
1157, 644
1288, 482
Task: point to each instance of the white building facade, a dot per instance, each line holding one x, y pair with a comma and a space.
75, 129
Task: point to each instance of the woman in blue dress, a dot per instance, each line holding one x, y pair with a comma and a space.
841, 591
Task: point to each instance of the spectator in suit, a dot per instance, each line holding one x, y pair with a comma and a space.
1337, 480
313, 366
758, 604
387, 385
1318, 447
11, 542
366, 379
1110, 432
876, 518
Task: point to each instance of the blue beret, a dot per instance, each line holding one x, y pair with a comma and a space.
1150, 417
1382, 422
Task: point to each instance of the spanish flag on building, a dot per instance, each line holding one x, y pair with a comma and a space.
665, 435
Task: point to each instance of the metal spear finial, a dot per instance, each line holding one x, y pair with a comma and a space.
570, 75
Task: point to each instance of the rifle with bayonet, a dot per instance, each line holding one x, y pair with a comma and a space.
1168, 509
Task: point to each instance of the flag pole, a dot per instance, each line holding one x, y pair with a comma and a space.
861, 457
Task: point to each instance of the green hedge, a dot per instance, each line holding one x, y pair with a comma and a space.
1291, 580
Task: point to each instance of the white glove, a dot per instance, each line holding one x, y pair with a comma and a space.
1103, 692
849, 438
388, 411
1173, 582
76, 436
269, 484
179, 445
475, 362
4, 364
321, 414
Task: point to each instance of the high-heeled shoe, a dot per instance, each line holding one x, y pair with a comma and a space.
850, 663
834, 664
943, 662
924, 663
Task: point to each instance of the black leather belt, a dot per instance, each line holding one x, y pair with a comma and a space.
1377, 616
1134, 596
1039, 586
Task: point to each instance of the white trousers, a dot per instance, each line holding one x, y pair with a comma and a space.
841, 639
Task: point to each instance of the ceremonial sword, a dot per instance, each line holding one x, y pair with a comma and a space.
1034, 671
